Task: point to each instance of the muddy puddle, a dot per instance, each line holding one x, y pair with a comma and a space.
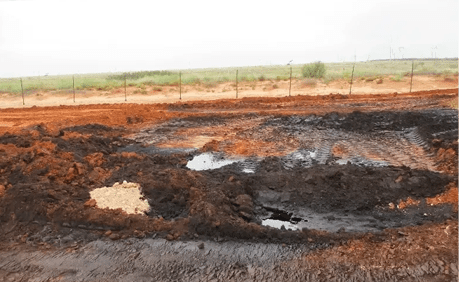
208, 161
330, 222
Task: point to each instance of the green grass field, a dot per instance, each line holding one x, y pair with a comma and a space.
211, 77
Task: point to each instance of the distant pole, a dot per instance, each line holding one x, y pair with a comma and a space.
412, 67
180, 83
236, 83
22, 91
352, 78
125, 90
73, 88
290, 88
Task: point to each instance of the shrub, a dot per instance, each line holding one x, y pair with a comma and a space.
314, 70
275, 86
309, 82
379, 81
261, 78
157, 88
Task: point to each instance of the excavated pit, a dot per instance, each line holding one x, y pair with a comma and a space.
239, 177
344, 148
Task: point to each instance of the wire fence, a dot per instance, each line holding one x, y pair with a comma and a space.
340, 78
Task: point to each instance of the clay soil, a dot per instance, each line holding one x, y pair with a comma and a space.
400, 218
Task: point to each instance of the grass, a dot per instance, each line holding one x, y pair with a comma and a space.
210, 78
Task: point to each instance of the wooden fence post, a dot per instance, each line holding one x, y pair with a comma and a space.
22, 91
125, 90
73, 88
352, 78
236, 83
412, 67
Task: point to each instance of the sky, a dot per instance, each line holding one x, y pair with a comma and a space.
39, 37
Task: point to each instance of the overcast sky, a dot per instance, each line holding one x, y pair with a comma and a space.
65, 37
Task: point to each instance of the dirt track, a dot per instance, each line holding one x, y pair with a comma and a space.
367, 185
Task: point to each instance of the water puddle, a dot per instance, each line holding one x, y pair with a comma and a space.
208, 161
279, 223
330, 222
307, 158
363, 162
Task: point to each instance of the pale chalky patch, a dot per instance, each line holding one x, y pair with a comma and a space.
126, 196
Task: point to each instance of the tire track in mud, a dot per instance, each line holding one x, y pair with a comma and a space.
395, 148
160, 260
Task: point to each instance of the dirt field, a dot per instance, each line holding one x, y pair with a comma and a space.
301, 188
267, 88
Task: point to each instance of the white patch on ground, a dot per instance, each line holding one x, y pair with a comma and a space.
208, 161
125, 196
278, 224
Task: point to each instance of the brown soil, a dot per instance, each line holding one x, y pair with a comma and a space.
51, 158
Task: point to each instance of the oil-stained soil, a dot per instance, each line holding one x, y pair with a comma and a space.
322, 189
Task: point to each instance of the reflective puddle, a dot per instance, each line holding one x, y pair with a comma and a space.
279, 223
330, 222
208, 161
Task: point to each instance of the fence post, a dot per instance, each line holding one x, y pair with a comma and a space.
125, 91
352, 78
22, 91
290, 88
180, 83
236, 83
412, 67
73, 88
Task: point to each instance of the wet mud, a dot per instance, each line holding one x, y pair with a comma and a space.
248, 196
